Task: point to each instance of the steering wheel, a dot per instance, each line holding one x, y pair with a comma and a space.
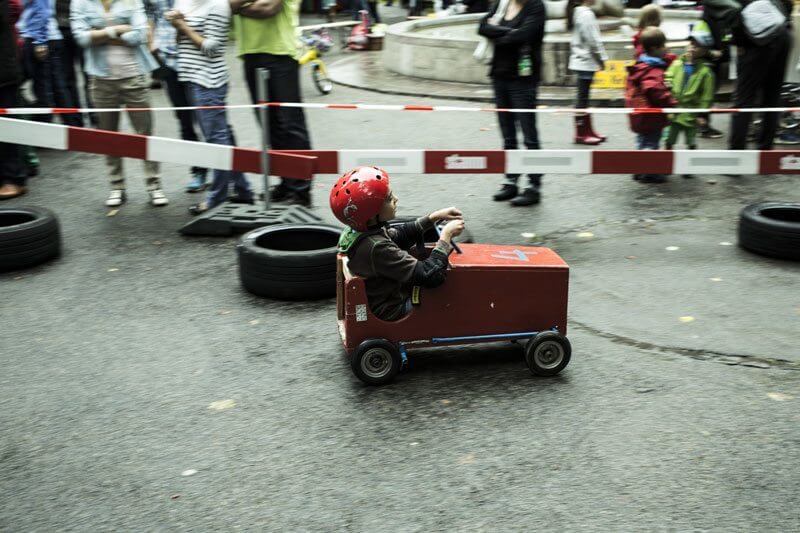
438, 226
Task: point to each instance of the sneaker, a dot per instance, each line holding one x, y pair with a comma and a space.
710, 133
788, 138
198, 209
529, 196
157, 197
653, 178
688, 176
197, 183
506, 192
116, 198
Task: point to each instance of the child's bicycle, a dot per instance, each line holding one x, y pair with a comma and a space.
316, 44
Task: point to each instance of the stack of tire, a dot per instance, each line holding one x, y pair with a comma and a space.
290, 261
771, 229
28, 236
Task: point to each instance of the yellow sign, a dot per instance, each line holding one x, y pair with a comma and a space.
613, 76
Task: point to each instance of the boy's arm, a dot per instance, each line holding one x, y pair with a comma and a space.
707, 94
658, 94
407, 234
389, 261
669, 75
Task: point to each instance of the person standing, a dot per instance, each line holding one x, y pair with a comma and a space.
71, 53
12, 173
113, 34
265, 35
517, 35
760, 68
164, 48
587, 56
202, 27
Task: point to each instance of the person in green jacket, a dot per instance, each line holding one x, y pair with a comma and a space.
691, 81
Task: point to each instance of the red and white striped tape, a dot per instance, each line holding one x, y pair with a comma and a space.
58, 137
304, 164
404, 107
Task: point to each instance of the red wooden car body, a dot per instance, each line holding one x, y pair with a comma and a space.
492, 293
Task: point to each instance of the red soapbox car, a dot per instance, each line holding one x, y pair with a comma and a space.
492, 293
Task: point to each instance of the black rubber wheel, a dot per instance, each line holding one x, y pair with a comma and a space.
376, 362
290, 261
321, 82
547, 354
771, 229
28, 236
431, 236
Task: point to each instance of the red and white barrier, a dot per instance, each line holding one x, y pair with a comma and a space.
406, 107
304, 164
58, 137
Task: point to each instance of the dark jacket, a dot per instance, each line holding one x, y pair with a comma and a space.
10, 73
476, 6
379, 255
525, 32
646, 88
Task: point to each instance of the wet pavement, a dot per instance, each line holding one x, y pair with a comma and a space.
142, 389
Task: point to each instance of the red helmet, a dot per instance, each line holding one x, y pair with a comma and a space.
359, 195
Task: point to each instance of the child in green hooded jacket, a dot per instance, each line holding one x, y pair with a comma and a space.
691, 81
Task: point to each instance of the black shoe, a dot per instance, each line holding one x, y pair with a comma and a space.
688, 176
637, 177
301, 198
528, 197
279, 193
653, 178
710, 133
506, 192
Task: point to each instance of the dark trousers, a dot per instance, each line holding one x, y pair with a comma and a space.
11, 167
49, 84
584, 86
72, 54
178, 92
760, 71
518, 94
287, 125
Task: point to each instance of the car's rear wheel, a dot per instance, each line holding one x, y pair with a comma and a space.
376, 362
548, 353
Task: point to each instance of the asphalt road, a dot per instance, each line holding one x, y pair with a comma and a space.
142, 389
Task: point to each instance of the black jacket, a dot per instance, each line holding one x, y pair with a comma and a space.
10, 73
526, 30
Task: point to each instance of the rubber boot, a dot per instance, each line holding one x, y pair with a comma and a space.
590, 128
582, 133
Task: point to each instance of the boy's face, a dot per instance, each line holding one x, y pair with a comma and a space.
389, 208
695, 50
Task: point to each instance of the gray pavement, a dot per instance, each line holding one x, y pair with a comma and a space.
137, 358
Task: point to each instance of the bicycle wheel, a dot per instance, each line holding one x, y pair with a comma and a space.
320, 77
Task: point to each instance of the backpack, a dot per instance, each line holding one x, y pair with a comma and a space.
763, 21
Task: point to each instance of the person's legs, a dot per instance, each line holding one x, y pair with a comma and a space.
650, 141
178, 93
523, 96
70, 54
12, 173
776, 54
39, 71
106, 94
62, 96
508, 129
750, 74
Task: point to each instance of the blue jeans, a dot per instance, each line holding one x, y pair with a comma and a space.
216, 130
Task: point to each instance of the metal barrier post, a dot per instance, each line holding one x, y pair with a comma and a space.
263, 112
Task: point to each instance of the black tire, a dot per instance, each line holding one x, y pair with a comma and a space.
321, 82
28, 236
431, 236
376, 362
290, 261
771, 229
547, 354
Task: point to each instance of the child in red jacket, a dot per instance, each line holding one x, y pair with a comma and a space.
646, 88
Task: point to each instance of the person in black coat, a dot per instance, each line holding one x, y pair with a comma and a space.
760, 69
12, 173
517, 37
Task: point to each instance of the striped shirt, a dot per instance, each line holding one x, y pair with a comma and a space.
204, 66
